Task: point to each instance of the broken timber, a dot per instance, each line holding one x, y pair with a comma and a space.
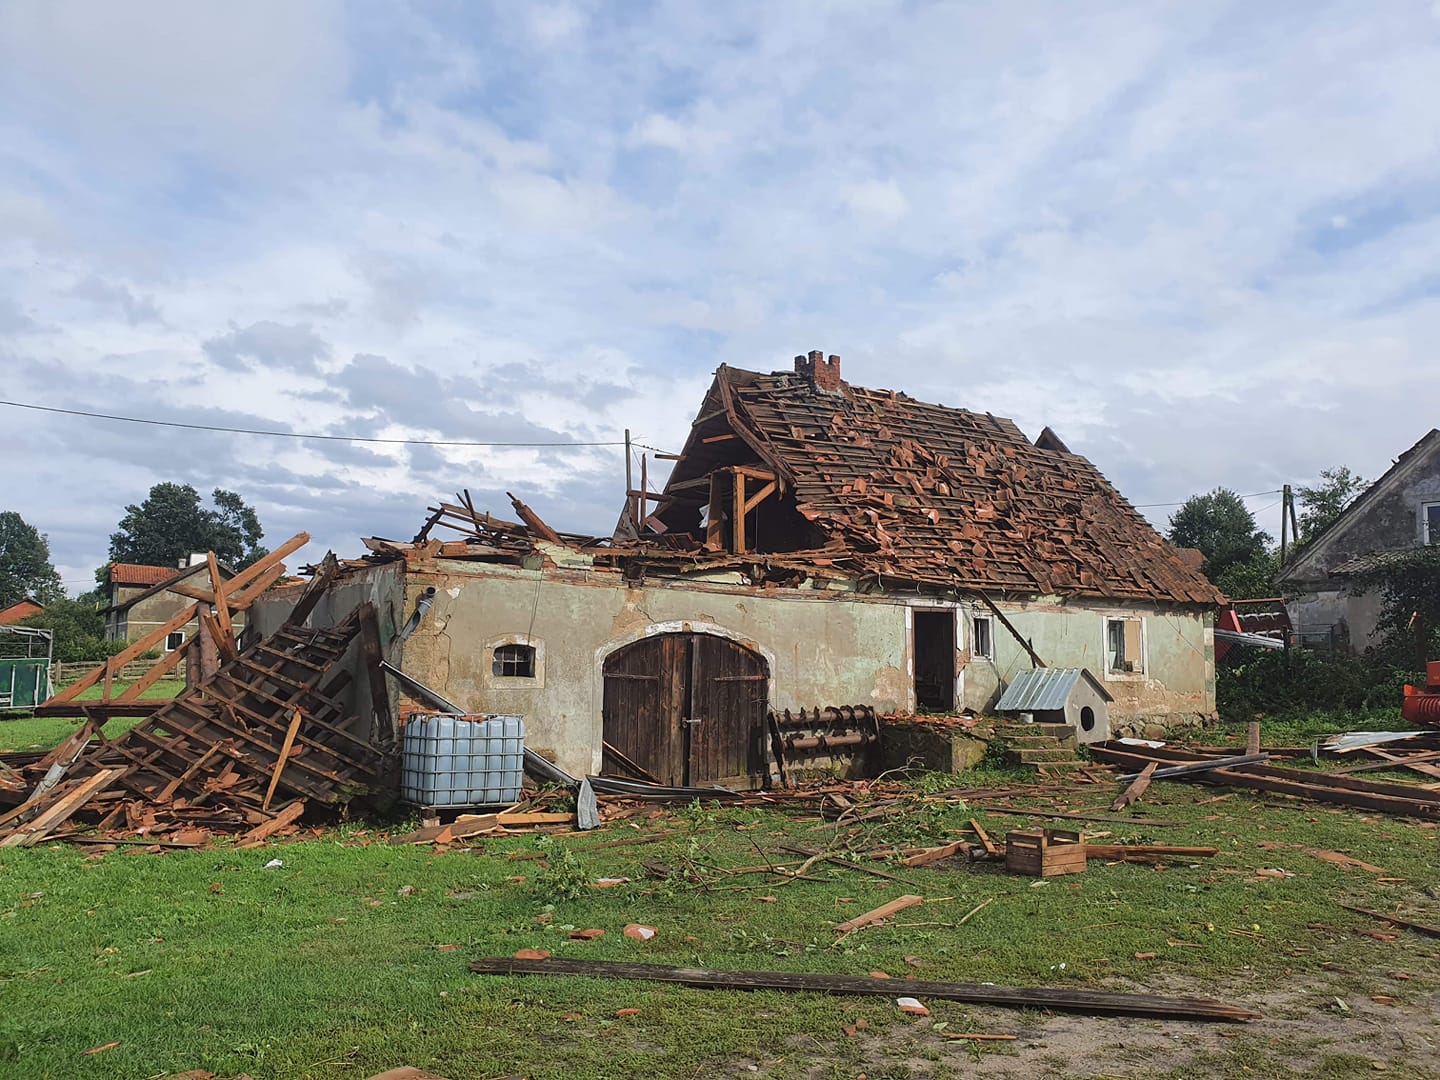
1386, 797
1019, 997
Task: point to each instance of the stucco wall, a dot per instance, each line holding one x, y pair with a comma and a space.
822, 648
383, 586
142, 618
1179, 676
1389, 520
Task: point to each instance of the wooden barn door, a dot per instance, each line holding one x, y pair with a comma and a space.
685, 709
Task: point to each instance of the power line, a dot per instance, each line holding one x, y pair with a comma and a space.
1182, 502
294, 434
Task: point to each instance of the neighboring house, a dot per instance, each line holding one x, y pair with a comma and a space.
21, 609
816, 543
144, 597
1397, 513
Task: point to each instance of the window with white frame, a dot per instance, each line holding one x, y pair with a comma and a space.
1125, 646
1430, 523
174, 640
982, 637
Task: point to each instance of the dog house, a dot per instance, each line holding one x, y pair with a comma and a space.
1070, 696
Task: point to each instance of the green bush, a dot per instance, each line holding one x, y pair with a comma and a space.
1275, 682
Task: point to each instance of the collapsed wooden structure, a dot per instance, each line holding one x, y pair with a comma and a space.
244, 749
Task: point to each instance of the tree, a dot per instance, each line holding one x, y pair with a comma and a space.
25, 568
1409, 622
1250, 580
1324, 502
171, 524
1221, 527
79, 631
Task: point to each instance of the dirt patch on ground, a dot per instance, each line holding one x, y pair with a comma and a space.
1320, 1030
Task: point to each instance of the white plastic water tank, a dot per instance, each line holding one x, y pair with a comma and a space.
462, 761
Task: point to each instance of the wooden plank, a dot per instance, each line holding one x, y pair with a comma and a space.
1136, 789
157, 671
60, 809
325, 574
116, 662
267, 829
1092, 1002
262, 566
289, 742
991, 848
879, 914
468, 825
222, 609
1005, 622
638, 771
936, 854
1252, 737
223, 639
737, 522
1395, 920
242, 600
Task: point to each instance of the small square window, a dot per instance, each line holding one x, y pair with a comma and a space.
1124, 647
514, 661
174, 640
982, 637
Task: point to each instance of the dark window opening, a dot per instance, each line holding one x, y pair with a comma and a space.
174, 640
982, 638
1432, 523
1087, 718
934, 654
514, 661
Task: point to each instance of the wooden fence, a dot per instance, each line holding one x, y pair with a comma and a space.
65, 674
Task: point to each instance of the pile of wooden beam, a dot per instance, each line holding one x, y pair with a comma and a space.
1390, 797
244, 751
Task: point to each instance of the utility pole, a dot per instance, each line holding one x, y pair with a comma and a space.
629, 482
1285, 513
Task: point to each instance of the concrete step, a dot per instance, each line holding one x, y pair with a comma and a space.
1058, 731
1043, 757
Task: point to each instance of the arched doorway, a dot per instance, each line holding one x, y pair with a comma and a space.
685, 709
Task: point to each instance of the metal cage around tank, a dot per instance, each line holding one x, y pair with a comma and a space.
25, 654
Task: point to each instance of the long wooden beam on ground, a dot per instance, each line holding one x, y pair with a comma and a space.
1019, 997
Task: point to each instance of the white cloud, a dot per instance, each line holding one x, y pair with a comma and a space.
875, 200
1196, 239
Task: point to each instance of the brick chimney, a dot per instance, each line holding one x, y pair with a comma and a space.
821, 374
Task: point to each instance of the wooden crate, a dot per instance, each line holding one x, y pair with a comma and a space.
1044, 852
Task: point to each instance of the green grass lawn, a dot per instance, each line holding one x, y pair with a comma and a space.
25, 732
338, 964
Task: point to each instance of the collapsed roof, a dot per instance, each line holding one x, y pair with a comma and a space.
799, 476
920, 492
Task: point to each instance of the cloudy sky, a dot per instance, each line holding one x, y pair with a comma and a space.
1198, 239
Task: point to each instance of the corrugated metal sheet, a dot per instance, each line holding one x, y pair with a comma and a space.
1043, 689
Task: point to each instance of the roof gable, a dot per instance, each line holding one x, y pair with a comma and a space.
946, 496
1309, 563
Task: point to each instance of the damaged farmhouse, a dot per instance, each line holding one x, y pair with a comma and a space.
817, 543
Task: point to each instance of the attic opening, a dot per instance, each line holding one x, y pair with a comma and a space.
934, 653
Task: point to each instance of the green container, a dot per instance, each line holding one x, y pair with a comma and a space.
24, 683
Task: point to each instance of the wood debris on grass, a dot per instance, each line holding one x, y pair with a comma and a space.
1060, 999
